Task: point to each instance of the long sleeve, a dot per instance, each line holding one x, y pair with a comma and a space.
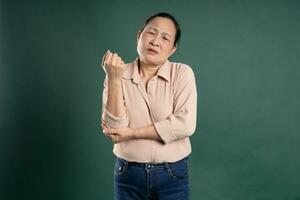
168, 104
108, 118
182, 122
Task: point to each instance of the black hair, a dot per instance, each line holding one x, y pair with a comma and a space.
168, 16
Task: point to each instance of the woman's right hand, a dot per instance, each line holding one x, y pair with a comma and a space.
113, 65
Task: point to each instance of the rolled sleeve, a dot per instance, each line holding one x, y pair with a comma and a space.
108, 118
165, 131
113, 121
182, 123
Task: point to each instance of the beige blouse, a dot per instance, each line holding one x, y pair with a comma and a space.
169, 103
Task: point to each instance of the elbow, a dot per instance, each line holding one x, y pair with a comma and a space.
113, 121
189, 130
191, 125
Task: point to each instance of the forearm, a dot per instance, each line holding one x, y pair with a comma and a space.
147, 132
115, 103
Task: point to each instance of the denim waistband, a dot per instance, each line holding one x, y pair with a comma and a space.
150, 165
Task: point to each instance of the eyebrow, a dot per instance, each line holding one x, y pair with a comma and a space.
157, 30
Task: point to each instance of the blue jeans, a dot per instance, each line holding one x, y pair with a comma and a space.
149, 181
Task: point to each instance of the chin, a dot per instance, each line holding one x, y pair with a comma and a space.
150, 60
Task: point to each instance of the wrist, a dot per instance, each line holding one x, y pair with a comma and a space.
113, 79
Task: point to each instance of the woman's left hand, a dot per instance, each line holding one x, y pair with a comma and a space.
118, 135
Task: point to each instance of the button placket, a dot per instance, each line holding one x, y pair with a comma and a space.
150, 87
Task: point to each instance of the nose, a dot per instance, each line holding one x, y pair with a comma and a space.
154, 41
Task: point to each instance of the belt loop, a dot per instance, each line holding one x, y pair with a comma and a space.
123, 160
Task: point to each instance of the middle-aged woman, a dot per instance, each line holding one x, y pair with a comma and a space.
149, 112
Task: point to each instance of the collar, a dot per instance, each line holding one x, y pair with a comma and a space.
133, 73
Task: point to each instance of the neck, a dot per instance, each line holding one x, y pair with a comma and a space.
147, 70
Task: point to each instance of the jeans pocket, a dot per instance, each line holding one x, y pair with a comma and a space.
178, 170
120, 166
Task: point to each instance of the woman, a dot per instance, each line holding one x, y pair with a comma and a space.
149, 112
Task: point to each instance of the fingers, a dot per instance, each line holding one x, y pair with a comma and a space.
108, 131
120, 62
110, 136
103, 127
107, 57
115, 59
106, 126
104, 130
112, 58
114, 138
104, 57
113, 65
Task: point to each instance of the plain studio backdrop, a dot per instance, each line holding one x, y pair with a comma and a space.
246, 58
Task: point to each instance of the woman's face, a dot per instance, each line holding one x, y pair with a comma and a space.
156, 43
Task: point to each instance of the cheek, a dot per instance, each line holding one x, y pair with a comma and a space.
141, 46
141, 42
165, 51
145, 39
168, 49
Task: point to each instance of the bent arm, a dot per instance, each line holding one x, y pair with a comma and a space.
113, 107
180, 124
147, 132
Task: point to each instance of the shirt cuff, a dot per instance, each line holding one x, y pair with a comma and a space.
113, 121
164, 131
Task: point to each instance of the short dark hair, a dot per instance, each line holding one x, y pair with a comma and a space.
168, 16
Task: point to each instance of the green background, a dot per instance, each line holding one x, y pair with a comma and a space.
246, 58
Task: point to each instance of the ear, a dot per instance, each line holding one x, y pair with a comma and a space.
173, 50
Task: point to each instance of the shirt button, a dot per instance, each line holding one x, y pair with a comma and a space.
120, 168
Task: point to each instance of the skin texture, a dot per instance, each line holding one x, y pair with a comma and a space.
158, 36
114, 67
